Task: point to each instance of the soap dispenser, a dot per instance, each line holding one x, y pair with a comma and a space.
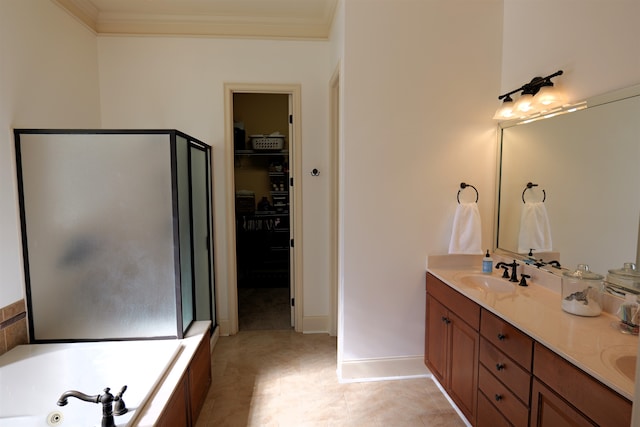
487, 263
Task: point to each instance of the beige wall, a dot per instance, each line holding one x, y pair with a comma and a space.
419, 82
157, 82
419, 87
48, 79
594, 42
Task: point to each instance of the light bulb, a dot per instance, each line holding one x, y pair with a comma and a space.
549, 97
524, 104
505, 111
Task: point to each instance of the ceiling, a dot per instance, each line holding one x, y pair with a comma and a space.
272, 19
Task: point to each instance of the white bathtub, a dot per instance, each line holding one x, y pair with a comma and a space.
32, 378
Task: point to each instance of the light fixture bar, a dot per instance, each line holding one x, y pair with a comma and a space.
537, 96
534, 85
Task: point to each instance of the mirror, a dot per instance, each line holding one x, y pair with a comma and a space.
586, 165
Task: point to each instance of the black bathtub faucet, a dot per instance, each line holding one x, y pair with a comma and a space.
106, 399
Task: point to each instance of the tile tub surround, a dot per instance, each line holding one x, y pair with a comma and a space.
536, 310
13, 326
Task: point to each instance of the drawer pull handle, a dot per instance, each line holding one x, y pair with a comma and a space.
498, 397
502, 337
499, 366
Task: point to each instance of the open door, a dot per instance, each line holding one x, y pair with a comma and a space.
264, 144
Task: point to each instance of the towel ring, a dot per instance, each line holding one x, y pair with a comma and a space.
529, 186
462, 187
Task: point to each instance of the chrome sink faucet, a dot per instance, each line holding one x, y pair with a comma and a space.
106, 399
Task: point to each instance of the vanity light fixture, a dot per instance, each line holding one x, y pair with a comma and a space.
537, 96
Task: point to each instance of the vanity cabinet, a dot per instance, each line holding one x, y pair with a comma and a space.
504, 374
452, 343
565, 395
499, 376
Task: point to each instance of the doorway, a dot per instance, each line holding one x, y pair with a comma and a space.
263, 271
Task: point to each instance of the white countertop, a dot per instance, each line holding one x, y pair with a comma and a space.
587, 342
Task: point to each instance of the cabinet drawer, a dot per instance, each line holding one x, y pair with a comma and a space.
597, 401
506, 338
505, 401
464, 308
506, 370
488, 415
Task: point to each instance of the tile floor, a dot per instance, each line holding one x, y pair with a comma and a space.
263, 308
283, 378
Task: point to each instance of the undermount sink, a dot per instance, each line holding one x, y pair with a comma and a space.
486, 282
621, 358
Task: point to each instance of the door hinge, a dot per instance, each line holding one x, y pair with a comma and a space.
291, 182
293, 302
291, 242
290, 118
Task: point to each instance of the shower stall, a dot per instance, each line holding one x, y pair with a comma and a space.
116, 233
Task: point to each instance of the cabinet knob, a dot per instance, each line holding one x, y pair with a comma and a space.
502, 337
499, 366
445, 320
498, 397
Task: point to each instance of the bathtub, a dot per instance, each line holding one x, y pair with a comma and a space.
32, 378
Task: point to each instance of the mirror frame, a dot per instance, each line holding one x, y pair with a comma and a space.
613, 96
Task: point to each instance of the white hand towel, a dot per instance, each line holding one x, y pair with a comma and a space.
466, 236
535, 232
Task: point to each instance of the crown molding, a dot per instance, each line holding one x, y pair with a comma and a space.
82, 10
248, 21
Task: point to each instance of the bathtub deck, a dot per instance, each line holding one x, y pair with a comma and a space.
32, 378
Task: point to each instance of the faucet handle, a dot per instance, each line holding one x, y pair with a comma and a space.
505, 271
523, 279
120, 408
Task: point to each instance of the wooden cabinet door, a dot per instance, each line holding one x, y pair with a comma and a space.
199, 378
592, 398
175, 413
436, 340
463, 369
549, 410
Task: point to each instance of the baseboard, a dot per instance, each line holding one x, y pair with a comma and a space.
453, 404
224, 327
382, 369
214, 338
315, 325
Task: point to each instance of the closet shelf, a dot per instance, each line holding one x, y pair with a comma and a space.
261, 153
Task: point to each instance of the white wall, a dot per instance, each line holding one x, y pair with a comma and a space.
594, 42
48, 78
420, 79
419, 86
152, 82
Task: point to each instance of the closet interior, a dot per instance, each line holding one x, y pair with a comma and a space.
262, 210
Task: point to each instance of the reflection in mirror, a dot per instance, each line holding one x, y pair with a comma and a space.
588, 164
